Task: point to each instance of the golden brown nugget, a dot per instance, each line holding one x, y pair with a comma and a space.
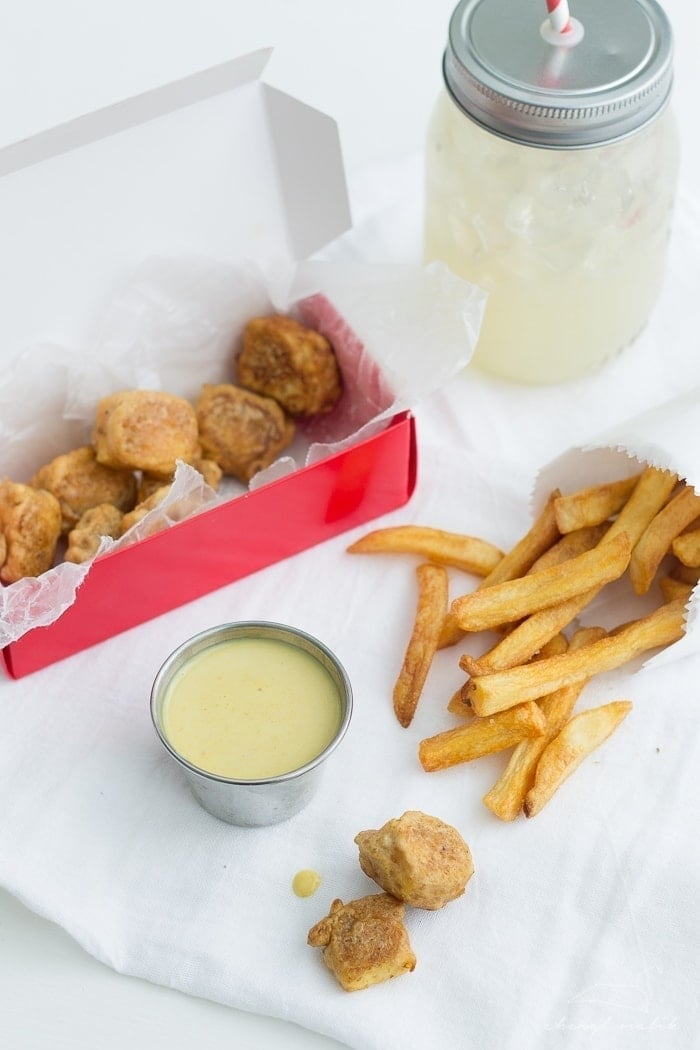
146, 430
79, 482
210, 471
365, 941
84, 539
295, 365
418, 859
30, 521
241, 431
422, 645
141, 509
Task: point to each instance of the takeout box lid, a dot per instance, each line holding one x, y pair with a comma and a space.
216, 164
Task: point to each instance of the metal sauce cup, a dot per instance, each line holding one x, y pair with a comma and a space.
253, 803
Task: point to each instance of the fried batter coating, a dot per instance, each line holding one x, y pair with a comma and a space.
291, 363
418, 859
30, 520
210, 471
141, 509
79, 482
84, 539
145, 430
365, 941
240, 430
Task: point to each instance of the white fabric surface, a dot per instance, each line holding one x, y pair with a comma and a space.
579, 928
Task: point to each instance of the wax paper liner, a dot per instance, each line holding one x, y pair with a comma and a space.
666, 436
399, 331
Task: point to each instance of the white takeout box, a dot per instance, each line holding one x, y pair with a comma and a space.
217, 164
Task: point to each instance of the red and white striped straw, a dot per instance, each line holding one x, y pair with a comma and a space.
560, 29
559, 17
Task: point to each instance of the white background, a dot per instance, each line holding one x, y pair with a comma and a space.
374, 65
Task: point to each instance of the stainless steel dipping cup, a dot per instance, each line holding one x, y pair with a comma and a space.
253, 803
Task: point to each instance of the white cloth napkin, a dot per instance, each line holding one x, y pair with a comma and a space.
580, 928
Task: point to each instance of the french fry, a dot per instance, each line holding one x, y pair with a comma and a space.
489, 607
483, 736
460, 704
533, 546
671, 589
505, 799
430, 613
592, 505
648, 497
658, 536
686, 548
686, 574
451, 632
564, 754
490, 693
468, 553
539, 537
576, 542
533, 633
528, 638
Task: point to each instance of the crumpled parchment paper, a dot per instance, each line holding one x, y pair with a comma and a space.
399, 332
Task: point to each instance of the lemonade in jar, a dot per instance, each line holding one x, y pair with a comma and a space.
551, 168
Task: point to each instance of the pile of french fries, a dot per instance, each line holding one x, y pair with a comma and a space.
521, 693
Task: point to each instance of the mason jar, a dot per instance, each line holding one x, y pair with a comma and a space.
551, 167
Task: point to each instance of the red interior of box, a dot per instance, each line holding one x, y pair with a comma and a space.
227, 542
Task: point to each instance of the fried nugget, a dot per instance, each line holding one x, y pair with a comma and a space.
30, 520
291, 363
146, 430
241, 431
84, 539
365, 941
141, 509
79, 482
210, 471
418, 859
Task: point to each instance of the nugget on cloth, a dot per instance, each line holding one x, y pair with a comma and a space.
145, 430
240, 430
84, 539
418, 859
291, 363
30, 521
79, 482
365, 941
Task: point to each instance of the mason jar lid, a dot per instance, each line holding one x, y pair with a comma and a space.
504, 73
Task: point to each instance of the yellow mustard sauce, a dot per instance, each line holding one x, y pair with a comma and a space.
306, 882
251, 708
